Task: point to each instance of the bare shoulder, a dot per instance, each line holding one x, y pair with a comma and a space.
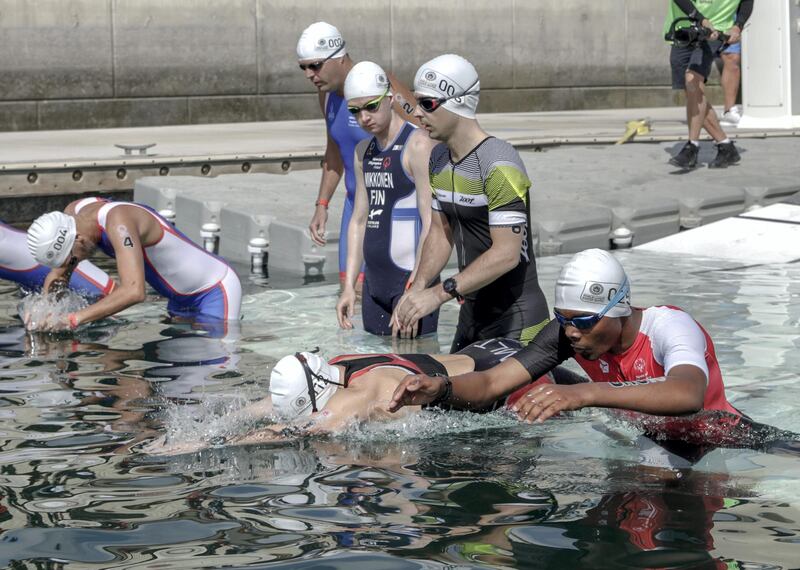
89, 206
421, 142
70, 209
361, 147
123, 213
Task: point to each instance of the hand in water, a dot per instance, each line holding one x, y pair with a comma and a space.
49, 322
541, 403
37, 321
57, 322
50, 311
345, 308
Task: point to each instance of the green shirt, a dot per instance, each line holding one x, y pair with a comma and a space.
721, 13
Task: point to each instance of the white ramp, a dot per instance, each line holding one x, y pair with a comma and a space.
765, 235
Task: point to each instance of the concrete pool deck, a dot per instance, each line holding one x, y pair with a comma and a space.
584, 187
301, 139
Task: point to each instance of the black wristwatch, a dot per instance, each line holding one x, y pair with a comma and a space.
446, 395
451, 288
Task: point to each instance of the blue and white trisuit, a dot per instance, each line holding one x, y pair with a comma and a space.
197, 283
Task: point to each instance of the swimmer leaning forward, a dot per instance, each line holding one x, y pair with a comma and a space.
147, 248
656, 366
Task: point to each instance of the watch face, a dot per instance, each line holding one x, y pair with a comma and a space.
449, 285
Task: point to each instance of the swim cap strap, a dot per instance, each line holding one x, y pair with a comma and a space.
311, 376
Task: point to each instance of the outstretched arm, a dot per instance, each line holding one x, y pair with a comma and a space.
471, 391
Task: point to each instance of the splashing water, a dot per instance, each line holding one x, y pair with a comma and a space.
217, 421
431, 423
211, 422
42, 311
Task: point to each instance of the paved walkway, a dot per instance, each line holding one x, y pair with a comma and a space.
582, 190
19, 150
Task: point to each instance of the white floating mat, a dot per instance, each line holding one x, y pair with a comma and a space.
766, 235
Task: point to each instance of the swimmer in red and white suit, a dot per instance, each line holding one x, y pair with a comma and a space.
658, 362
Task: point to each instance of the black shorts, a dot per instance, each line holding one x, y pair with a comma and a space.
682, 59
489, 353
379, 298
521, 321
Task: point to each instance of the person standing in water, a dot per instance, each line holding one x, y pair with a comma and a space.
322, 56
482, 208
392, 211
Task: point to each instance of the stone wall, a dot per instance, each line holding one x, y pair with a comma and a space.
69, 64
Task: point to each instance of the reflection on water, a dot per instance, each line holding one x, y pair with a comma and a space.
442, 491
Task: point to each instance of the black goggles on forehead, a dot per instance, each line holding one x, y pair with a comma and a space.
588, 321
430, 104
311, 376
317, 65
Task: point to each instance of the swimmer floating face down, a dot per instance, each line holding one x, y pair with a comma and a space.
302, 383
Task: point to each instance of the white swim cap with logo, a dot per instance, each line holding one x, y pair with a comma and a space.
288, 384
589, 280
51, 237
366, 79
449, 75
320, 40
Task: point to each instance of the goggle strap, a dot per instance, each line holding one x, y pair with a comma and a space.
441, 100
317, 65
311, 376
620, 294
623, 289
309, 380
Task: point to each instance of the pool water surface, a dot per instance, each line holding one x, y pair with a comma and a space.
441, 490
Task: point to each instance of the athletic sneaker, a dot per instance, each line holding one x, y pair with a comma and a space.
687, 157
731, 117
726, 156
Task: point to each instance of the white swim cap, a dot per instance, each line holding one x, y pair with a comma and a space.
289, 384
366, 79
51, 237
589, 281
449, 75
320, 40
